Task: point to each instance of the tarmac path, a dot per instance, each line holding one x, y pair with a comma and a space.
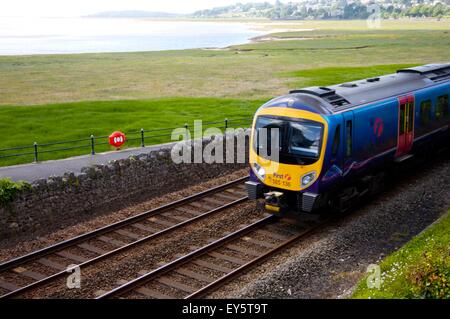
35, 171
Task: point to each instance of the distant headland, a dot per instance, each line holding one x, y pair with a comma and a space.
133, 14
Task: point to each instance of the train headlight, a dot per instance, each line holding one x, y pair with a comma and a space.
260, 171
307, 179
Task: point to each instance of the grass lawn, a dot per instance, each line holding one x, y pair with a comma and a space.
23, 125
334, 75
420, 269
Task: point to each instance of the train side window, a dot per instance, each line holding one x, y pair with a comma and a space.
442, 107
425, 112
410, 117
336, 141
348, 138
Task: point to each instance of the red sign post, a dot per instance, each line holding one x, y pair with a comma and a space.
117, 139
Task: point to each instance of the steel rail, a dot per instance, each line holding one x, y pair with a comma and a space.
129, 286
246, 267
121, 249
69, 242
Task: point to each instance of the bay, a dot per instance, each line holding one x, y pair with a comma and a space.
26, 36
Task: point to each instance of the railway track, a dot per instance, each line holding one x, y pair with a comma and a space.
207, 268
34, 270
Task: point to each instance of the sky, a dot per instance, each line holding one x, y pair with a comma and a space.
69, 8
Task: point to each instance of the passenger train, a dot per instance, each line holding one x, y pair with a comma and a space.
332, 144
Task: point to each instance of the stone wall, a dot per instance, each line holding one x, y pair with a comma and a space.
101, 188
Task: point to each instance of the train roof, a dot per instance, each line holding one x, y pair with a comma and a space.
336, 98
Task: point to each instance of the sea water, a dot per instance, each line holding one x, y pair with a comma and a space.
23, 36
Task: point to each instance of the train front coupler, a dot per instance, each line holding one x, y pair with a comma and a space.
275, 202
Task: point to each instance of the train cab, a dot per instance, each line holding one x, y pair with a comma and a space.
287, 149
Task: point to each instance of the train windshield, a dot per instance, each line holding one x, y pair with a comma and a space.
304, 139
299, 141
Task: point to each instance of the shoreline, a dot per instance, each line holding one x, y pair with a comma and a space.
266, 27
266, 37
140, 35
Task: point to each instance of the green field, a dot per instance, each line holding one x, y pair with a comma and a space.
80, 120
48, 98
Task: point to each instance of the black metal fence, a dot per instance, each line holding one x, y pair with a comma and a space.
93, 143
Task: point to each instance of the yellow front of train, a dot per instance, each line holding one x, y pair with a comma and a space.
287, 147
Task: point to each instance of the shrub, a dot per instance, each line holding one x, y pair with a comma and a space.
10, 189
430, 278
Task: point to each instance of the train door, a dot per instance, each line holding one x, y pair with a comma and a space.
405, 125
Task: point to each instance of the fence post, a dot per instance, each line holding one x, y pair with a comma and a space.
35, 152
142, 138
92, 145
187, 130
226, 124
